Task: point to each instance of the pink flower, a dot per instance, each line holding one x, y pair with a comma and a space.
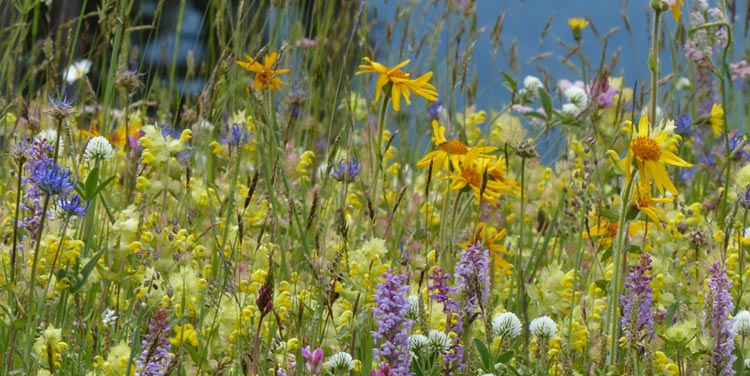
313, 360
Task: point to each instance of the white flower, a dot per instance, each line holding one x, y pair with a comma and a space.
418, 342
108, 317
577, 96
741, 324
50, 135
570, 109
439, 341
532, 84
543, 327
76, 71
341, 361
683, 84
98, 149
413, 312
506, 325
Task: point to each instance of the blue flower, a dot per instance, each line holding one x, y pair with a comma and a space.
684, 124
52, 179
61, 101
433, 113
347, 170
72, 206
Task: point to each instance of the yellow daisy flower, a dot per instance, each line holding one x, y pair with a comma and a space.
644, 202
492, 240
450, 152
399, 82
469, 176
652, 154
266, 74
604, 229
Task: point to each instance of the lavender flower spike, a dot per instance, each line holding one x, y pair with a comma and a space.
718, 323
472, 274
391, 307
637, 286
155, 357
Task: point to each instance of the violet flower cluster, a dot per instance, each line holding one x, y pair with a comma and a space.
473, 277
440, 292
391, 306
718, 324
155, 357
638, 291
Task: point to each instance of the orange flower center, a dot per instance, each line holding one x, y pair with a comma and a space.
399, 74
472, 177
264, 76
612, 230
454, 147
646, 149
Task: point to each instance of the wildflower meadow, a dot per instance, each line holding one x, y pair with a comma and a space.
381, 188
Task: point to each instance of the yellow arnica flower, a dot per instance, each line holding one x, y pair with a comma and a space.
492, 240
449, 152
266, 74
470, 176
604, 229
651, 155
399, 82
716, 119
645, 203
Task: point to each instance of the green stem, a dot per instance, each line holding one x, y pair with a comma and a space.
654, 66
377, 155
15, 228
32, 280
614, 288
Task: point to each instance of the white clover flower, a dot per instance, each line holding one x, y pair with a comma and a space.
506, 325
532, 84
741, 324
439, 341
413, 312
418, 342
76, 71
341, 361
98, 149
577, 96
108, 317
570, 109
51, 136
543, 327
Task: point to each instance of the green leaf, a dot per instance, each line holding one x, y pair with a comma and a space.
510, 83
107, 209
103, 185
546, 102
505, 357
92, 181
484, 354
86, 271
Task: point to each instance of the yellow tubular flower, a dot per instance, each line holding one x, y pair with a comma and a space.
266, 74
576, 26
651, 155
399, 82
716, 119
450, 152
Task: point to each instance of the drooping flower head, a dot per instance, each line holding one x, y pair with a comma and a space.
398, 83
716, 119
650, 154
266, 74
